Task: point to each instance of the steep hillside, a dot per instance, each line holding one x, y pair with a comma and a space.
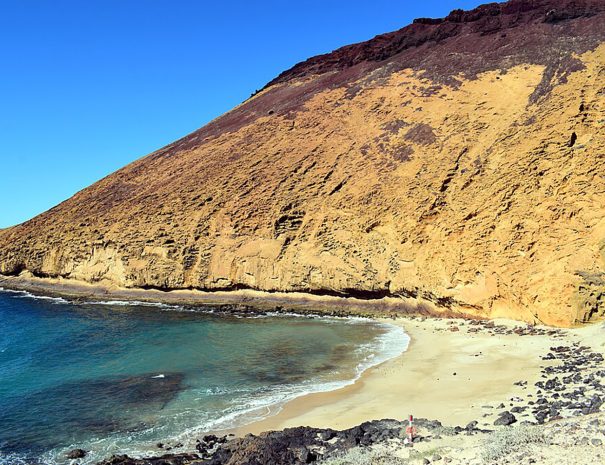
458, 160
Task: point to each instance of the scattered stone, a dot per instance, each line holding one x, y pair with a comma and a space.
76, 454
572, 385
505, 419
472, 425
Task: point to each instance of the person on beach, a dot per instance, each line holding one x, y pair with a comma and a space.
410, 432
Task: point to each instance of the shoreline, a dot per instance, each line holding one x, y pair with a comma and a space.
467, 409
494, 360
247, 299
382, 350
455, 389
288, 408
446, 373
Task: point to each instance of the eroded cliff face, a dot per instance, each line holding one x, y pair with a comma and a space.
459, 160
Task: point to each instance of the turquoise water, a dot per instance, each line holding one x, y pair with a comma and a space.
120, 377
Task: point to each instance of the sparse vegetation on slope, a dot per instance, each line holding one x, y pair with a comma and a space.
505, 441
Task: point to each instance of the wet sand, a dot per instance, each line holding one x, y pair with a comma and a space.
446, 375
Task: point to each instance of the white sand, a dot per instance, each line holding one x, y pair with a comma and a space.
422, 382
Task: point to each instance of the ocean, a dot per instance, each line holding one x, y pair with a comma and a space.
119, 377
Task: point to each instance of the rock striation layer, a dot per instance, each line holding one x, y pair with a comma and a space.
458, 160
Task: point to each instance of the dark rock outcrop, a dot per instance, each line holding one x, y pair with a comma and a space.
505, 419
488, 19
167, 459
76, 454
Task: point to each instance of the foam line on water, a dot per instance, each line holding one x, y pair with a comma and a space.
252, 406
130, 303
13, 459
392, 343
120, 303
29, 295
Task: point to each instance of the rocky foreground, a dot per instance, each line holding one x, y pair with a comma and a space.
558, 419
577, 441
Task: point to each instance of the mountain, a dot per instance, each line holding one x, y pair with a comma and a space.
460, 161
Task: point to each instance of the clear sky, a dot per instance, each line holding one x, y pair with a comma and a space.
87, 86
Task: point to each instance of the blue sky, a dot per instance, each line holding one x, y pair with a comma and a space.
89, 86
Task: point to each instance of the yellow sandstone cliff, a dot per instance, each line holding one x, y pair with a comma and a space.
460, 161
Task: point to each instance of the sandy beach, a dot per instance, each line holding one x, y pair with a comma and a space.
458, 376
454, 370
464, 373
444, 374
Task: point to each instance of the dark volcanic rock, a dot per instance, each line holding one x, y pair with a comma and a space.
76, 454
459, 25
505, 419
472, 425
290, 446
295, 445
168, 459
